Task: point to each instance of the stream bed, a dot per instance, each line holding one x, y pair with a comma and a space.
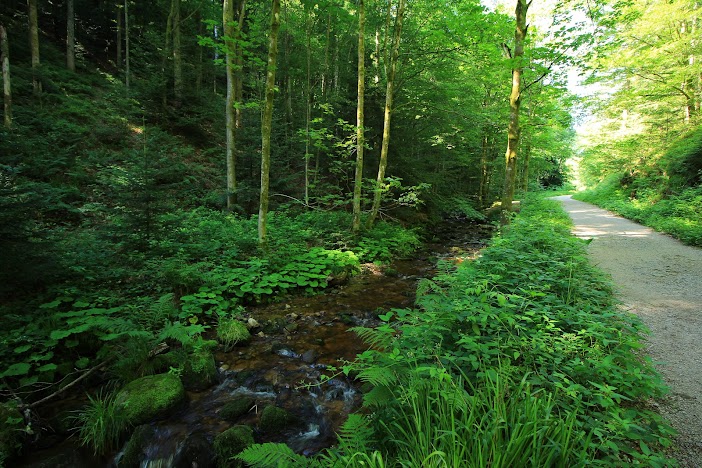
283, 364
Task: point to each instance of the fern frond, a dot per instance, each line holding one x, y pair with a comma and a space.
377, 338
378, 396
179, 332
355, 435
378, 376
272, 455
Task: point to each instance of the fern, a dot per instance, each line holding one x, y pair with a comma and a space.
355, 435
378, 396
271, 455
380, 338
180, 333
159, 312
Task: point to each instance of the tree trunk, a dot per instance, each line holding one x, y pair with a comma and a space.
177, 55
70, 36
360, 134
6, 89
228, 20
34, 45
200, 49
514, 104
388, 113
266, 125
126, 45
308, 102
119, 37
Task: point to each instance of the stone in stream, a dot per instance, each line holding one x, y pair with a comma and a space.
135, 450
196, 451
230, 443
235, 409
309, 356
150, 397
274, 419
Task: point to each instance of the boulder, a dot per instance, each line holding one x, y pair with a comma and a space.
230, 443
151, 397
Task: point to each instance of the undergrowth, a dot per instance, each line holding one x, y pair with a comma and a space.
521, 358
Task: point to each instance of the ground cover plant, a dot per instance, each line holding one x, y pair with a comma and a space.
521, 356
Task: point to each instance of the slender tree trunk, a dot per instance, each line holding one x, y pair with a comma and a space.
267, 123
482, 192
308, 102
514, 104
200, 49
360, 117
228, 20
388, 114
70, 36
6, 89
126, 45
167, 54
34, 45
119, 37
177, 55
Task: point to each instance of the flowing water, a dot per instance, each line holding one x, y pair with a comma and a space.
283, 365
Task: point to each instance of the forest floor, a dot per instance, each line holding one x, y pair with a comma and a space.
660, 280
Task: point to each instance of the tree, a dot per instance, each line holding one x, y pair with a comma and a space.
360, 133
6, 89
70, 36
513, 129
388, 113
267, 122
126, 45
34, 45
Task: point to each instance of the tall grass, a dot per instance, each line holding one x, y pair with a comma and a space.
100, 424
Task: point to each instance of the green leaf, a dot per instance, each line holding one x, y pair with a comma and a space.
19, 368
47, 367
23, 348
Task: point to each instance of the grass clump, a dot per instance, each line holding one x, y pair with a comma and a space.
101, 423
231, 332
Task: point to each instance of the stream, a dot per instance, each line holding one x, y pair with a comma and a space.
284, 362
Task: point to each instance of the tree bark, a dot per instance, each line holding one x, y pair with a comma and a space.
360, 118
266, 124
34, 45
388, 114
308, 101
126, 45
177, 55
6, 89
70, 36
513, 130
234, 60
119, 37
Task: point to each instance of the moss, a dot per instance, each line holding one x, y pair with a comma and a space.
236, 408
230, 443
199, 371
11, 424
150, 397
274, 419
231, 332
134, 450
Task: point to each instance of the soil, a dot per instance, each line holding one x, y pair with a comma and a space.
659, 279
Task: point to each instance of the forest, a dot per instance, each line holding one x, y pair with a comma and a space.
187, 185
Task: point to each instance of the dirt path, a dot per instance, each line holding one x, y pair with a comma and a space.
659, 279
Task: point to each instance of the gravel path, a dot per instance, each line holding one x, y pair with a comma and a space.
659, 279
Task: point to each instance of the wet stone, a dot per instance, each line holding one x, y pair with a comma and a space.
309, 357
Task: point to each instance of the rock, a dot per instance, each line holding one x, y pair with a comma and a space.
235, 409
230, 443
199, 371
134, 452
252, 323
150, 397
274, 419
195, 452
309, 357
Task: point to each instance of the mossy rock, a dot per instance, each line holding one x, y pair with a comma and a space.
11, 425
199, 371
231, 332
150, 397
274, 419
134, 450
230, 443
235, 409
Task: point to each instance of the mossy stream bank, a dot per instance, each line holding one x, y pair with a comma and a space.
273, 383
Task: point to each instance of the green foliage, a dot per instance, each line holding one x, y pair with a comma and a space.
101, 423
530, 317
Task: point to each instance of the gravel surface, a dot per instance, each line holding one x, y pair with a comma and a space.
659, 279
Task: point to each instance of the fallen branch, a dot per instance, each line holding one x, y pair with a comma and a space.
70, 385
